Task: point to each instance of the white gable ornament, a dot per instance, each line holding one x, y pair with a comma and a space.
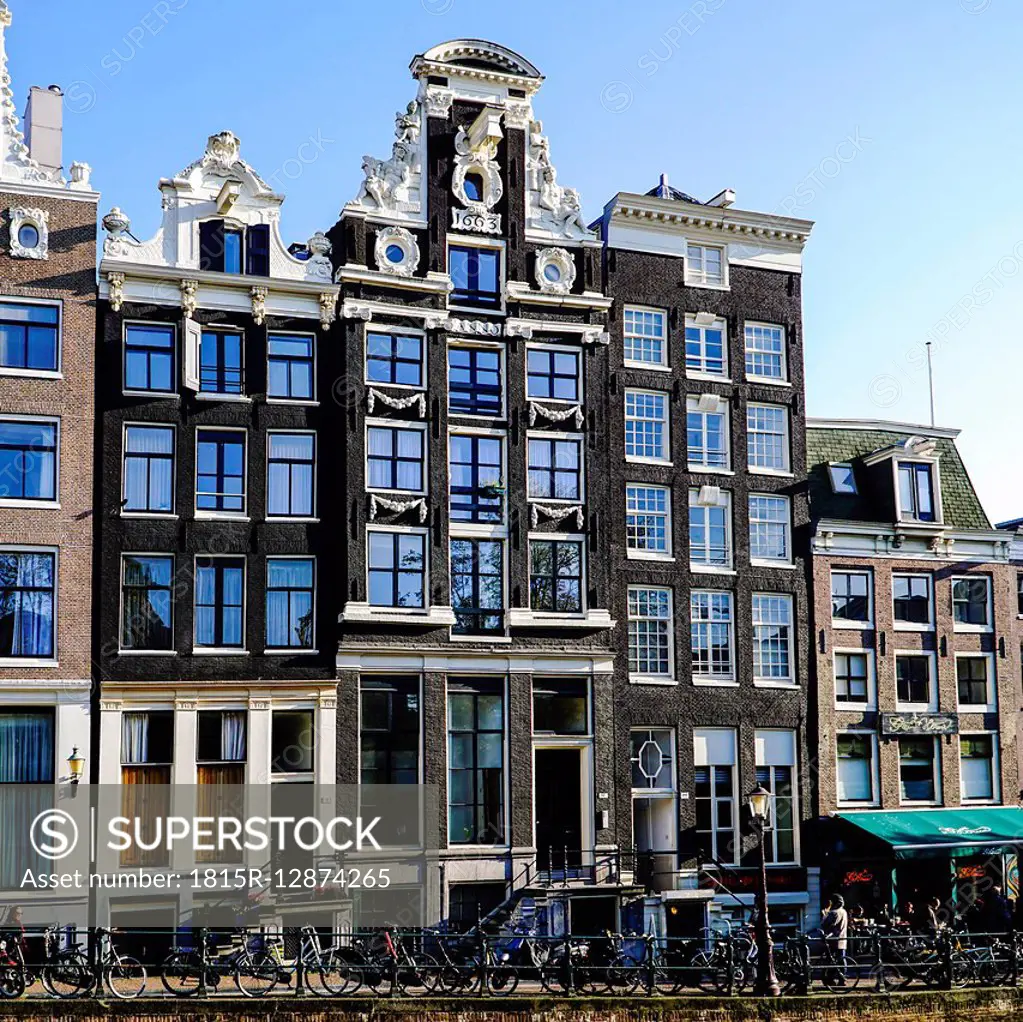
550, 207
555, 271
392, 185
30, 233
476, 154
396, 251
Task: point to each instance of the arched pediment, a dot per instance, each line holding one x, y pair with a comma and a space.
480, 54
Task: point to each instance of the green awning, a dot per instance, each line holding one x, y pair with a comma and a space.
954, 832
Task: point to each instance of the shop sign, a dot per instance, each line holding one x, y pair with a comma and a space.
919, 724
857, 876
744, 881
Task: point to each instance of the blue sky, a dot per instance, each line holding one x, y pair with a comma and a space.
896, 127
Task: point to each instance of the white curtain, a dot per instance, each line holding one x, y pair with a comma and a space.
232, 735
134, 737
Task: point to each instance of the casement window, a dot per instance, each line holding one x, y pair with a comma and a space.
556, 575
711, 624
290, 603
28, 590
647, 520
227, 249
706, 434
706, 346
716, 794
971, 603
914, 679
292, 742
289, 370
396, 458
554, 469
856, 757
221, 369
397, 568
977, 773
646, 425
147, 602
770, 529
219, 602
772, 639
852, 678
29, 454
29, 336
918, 770
147, 740
220, 470
220, 740
975, 681
776, 771
148, 472
29, 754
475, 763
652, 757
290, 475
552, 375
645, 337
765, 352
911, 599
710, 531
842, 478
650, 633
705, 266
395, 359
560, 706
850, 599
476, 276
477, 586
389, 730
767, 438
149, 358
474, 381
916, 492
476, 467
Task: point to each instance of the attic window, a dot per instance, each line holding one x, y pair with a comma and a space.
916, 492
842, 478
234, 250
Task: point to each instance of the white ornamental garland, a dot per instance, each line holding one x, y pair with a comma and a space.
398, 506
555, 514
555, 414
397, 403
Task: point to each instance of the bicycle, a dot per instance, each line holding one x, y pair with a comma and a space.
70, 973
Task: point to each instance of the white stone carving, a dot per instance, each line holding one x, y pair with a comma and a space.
518, 114
397, 237
516, 328
328, 301
351, 309
116, 245
408, 125
475, 222
259, 305
538, 411
479, 160
318, 263
393, 184
556, 513
598, 335
189, 297
555, 271
475, 327
438, 100
436, 321
116, 282
397, 403
35, 222
397, 506
81, 177
223, 151
550, 207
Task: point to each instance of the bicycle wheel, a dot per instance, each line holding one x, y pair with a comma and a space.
624, 975
125, 977
12, 981
553, 976
422, 974
255, 975
711, 972
68, 975
180, 973
503, 979
839, 978
963, 971
328, 977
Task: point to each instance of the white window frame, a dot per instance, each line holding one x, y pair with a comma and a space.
465, 343
314, 517
832, 465
991, 705
936, 773
664, 364
703, 736
931, 705
52, 661
632, 553
769, 682
198, 650
390, 328
291, 650
650, 732
402, 530
172, 514
669, 622
234, 516
698, 278
875, 787
693, 402
773, 562
477, 241
770, 833
728, 679
900, 516
776, 381
400, 424
24, 502
300, 401
842, 624
665, 457
47, 374
913, 626
767, 470
852, 704
723, 500
177, 357
479, 532
470, 530
702, 322
557, 349
958, 626
996, 769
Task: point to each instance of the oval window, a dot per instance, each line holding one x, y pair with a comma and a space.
28, 236
552, 272
395, 254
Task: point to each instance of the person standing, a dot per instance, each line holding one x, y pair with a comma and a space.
835, 927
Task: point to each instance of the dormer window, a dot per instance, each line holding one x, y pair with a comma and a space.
842, 478
233, 262
916, 491
225, 248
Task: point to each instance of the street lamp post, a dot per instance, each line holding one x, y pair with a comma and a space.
767, 982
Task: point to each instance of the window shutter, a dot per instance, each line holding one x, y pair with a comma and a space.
257, 250
211, 245
190, 362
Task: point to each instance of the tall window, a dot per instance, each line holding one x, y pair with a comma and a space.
710, 532
767, 436
850, 597
147, 752
913, 678
772, 638
650, 641
852, 680
29, 336
220, 751
552, 375
394, 359
389, 727
292, 742
290, 480
705, 347
476, 276
226, 249
770, 528
149, 357
476, 465
555, 469
706, 436
220, 602
290, 589
474, 381
27, 751
715, 791
705, 265
776, 768
220, 362
148, 486
475, 763
28, 459
646, 337
27, 601
556, 575
765, 351
916, 491
710, 622
973, 677
646, 425
396, 458
856, 769
648, 519
220, 470
397, 569
147, 602
477, 586
917, 773
971, 602
911, 595
977, 768
290, 367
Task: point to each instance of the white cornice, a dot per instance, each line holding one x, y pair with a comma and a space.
221, 281
47, 191
882, 425
489, 661
520, 292
867, 540
423, 68
434, 282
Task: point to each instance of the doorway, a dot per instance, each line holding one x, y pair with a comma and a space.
559, 825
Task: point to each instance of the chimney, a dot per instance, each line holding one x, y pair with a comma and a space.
44, 126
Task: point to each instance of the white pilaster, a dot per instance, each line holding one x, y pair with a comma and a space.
326, 739
110, 741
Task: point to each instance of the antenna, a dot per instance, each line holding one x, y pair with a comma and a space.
930, 379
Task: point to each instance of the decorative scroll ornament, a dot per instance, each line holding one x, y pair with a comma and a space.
598, 335
38, 223
327, 300
538, 411
555, 271
259, 305
396, 251
919, 723
355, 310
389, 184
557, 513
189, 299
476, 155
397, 403
222, 152
514, 328
397, 506
477, 327
116, 282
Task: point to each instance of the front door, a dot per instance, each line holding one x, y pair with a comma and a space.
558, 782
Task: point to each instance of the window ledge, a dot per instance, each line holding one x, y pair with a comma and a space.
365, 613
495, 639
285, 520
706, 287
301, 402
709, 470
290, 652
636, 459
777, 473
398, 386
914, 707
218, 651
33, 374
643, 555
34, 663
164, 394
700, 374
17, 502
978, 708
221, 516
756, 562
913, 627
657, 367
972, 629
771, 381
710, 569
856, 626
523, 618
211, 395
153, 516
791, 686
858, 805
715, 683
651, 679
851, 707
147, 652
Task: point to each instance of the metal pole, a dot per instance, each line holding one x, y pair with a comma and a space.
930, 379
767, 982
